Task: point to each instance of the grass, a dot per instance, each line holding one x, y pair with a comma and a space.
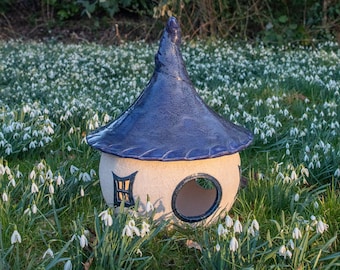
52, 95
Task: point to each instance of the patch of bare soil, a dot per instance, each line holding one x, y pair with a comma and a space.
122, 27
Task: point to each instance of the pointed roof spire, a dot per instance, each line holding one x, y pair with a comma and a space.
169, 121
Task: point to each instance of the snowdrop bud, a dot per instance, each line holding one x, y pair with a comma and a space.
233, 245
82, 192
5, 197
51, 189
291, 244
149, 206
218, 247
15, 238
68, 265
316, 205
34, 208
296, 197
296, 233
228, 221
27, 211
237, 226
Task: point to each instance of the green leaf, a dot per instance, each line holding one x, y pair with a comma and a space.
283, 19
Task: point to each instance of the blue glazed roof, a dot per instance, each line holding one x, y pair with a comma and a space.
169, 121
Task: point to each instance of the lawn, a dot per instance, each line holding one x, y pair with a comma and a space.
52, 214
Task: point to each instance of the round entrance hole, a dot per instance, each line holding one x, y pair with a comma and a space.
196, 197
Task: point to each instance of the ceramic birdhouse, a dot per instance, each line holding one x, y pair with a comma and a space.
170, 146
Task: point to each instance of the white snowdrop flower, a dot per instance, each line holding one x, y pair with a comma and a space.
145, 229
49, 174
305, 172
149, 206
7, 170
218, 247
49, 130
316, 205
34, 208
40, 166
133, 227
32, 175
60, 180
291, 244
289, 254
68, 265
18, 174
296, 233
127, 231
86, 177
82, 192
11, 181
106, 217
233, 245
4, 197
321, 227
73, 169
16, 237
282, 251
318, 164
255, 225
237, 226
8, 149
48, 252
296, 197
106, 118
83, 241
337, 172
293, 175
51, 188
69, 148
251, 231
229, 221
32, 145
34, 188
221, 230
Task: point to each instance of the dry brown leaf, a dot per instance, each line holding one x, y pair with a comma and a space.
193, 244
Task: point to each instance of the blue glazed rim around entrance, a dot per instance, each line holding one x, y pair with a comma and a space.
212, 208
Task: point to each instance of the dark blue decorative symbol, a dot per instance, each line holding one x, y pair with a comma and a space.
123, 187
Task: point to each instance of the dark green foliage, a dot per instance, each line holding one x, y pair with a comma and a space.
269, 21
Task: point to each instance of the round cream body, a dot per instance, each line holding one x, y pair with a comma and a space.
173, 187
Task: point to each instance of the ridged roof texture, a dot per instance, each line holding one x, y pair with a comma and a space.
169, 121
